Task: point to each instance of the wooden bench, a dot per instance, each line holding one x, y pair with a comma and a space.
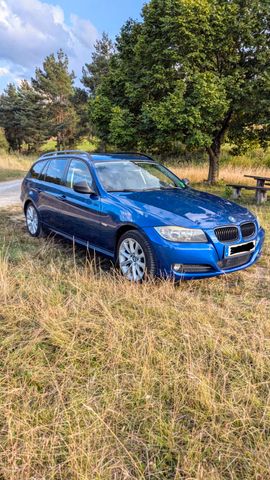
260, 192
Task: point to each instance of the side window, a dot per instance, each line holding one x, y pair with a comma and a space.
37, 169
77, 172
55, 171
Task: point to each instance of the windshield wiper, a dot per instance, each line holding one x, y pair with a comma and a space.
124, 190
154, 189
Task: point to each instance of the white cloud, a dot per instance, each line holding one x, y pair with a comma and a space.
32, 29
4, 71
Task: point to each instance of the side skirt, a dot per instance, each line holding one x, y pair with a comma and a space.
103, 251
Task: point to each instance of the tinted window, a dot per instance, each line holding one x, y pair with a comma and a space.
55, 171
77, 172
37, 169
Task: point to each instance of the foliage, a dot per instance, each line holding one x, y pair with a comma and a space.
55, 85
9, 117
195, 72
94, 72
3, 141
79, 101
32, 116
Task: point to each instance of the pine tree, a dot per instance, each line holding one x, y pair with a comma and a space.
80, 104
9, 117
32, 117
3, 141
98, 69
55, 85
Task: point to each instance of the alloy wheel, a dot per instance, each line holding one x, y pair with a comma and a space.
32, 220
132, 261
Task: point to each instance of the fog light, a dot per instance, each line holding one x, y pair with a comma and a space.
178, 267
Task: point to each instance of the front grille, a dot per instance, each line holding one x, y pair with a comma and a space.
248, 229
227, 234
233, 262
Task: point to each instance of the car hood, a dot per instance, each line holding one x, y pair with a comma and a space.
188, 205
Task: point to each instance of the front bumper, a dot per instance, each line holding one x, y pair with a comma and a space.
209, 254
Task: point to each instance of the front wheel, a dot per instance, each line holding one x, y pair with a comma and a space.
135, 256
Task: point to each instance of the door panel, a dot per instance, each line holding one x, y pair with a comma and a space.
81, 215
50, 191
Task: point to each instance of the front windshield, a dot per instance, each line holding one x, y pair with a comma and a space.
127, 176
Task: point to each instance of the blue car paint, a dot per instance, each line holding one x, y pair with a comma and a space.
95, 220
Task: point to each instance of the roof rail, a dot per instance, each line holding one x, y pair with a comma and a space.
61, 152
130, 153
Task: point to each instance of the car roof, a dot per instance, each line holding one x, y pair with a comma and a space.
97, 157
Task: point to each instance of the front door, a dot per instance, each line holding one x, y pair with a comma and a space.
81, 217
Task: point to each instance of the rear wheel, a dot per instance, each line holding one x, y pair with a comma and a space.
32, 220
135, 256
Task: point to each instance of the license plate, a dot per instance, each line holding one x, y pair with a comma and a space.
241, 248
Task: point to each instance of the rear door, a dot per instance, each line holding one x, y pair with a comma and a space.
81, 217
51, 194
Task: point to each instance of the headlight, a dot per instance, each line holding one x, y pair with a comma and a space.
258, 223
180, 234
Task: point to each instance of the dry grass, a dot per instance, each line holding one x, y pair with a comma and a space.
14, 166
228, 174
105, 380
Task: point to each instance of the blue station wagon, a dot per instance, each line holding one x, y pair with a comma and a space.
137, 212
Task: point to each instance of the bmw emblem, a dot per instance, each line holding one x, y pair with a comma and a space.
232, 219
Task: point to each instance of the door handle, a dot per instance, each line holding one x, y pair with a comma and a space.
62, 197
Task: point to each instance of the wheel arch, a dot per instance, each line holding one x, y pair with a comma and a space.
26, 203
123, 229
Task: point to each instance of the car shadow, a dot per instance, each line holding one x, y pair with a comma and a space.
81, 253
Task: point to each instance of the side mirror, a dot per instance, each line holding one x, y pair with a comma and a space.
83, 187
186, 181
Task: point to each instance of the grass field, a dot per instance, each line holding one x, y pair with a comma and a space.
105, 380
14, 166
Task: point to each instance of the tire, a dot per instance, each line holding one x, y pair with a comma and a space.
33, 223
135, 257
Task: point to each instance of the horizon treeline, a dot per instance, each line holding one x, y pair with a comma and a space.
189, 75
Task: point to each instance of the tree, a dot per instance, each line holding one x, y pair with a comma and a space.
79, 101
94, 72
193, 71
23, 117
55, 85
3, 141
32, 116
9, 117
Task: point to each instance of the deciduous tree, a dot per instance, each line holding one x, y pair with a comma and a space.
194, 71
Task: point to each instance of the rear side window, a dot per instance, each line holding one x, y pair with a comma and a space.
37, 169
55, 171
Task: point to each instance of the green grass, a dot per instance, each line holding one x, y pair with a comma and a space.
83, 144
104, 380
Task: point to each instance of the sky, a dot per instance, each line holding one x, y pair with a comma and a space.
32, 29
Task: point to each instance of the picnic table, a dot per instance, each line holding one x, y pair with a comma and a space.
261, 181
261, 188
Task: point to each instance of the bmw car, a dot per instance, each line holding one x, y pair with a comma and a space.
135, 211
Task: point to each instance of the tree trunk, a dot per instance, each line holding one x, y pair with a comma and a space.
58, 141
214, 156
215, 149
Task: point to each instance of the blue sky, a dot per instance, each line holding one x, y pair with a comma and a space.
106, 15
32, 29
